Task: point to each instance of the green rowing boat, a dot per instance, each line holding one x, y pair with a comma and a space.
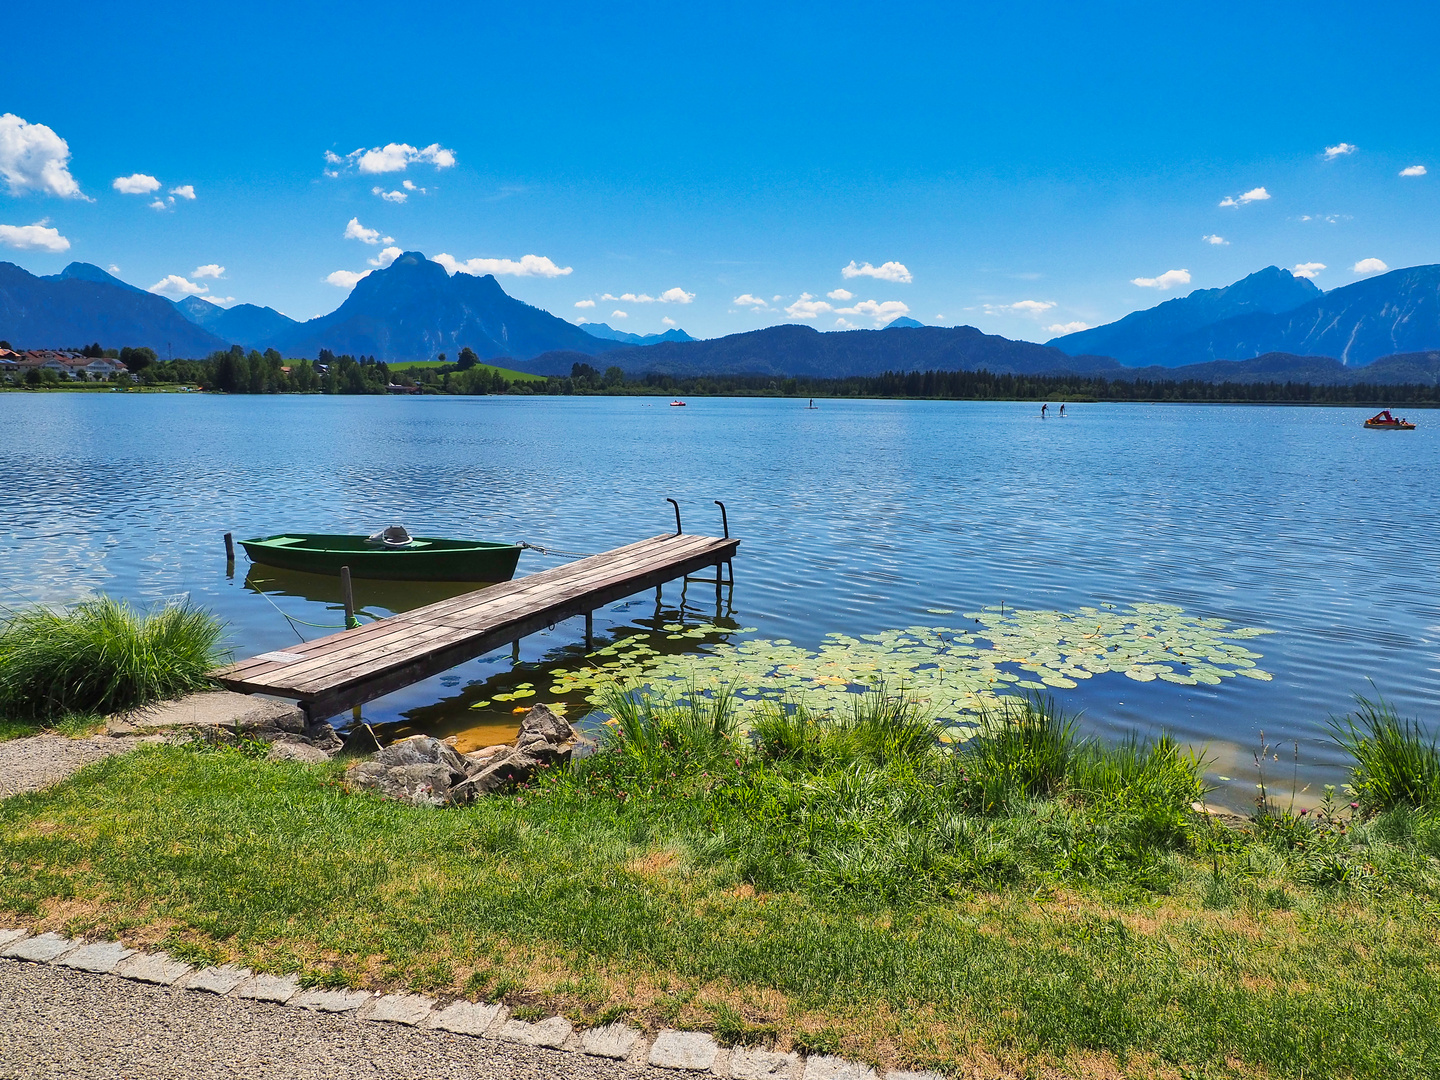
390, 556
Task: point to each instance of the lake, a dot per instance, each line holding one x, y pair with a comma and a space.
858, 518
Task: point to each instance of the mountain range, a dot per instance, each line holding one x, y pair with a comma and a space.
1274, 312
1270, 325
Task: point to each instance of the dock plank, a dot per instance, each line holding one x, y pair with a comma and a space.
331, 674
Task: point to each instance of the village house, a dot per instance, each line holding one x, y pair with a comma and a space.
66, 365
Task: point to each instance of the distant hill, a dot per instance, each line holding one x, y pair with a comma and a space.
1415, 368
902, 322
802, 350
414, 310
244, 324
83, 304
1398, 312
609, 333
1149, 337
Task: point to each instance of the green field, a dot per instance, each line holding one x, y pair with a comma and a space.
505, 373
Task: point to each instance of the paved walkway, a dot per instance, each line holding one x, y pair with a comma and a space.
60, 1023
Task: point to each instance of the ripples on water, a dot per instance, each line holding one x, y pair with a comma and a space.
855, 517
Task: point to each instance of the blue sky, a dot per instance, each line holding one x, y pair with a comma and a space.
1017, 167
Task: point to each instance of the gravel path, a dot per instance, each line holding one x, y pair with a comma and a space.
41, 760
60, 1023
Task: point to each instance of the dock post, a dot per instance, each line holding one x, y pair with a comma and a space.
229, 548
349, 597
589, 631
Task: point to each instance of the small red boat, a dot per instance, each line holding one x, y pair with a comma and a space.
1383, 421
677, 404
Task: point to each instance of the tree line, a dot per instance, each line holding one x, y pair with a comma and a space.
236, 371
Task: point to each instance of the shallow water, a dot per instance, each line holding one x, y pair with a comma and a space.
857, 517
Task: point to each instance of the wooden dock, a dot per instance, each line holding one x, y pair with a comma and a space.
335, 673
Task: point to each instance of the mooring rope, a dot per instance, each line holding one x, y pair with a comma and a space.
557, 551
293, 620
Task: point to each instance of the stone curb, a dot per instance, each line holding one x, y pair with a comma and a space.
691, 1051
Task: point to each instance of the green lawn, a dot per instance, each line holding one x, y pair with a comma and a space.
573, 896
507, 373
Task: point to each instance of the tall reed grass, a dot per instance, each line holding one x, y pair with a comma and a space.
103, 656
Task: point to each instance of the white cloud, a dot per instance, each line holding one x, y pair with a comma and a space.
584, 303
344, 279
1413, 170
114, 269
385, 257
35, 237
842, 323
667, 321
676, 295
1258, 194
1370, 266
355, 231
34, 158
619, 315
390, 196
185, 191
807, 307
1061, 329
159, 204
630, 297
840, 294
776, 298
175, 285
883, 313
395, 157
1309, 270
755, 302
1032, 307
1167, 280
220, 301
409, 185
1339, 150
526, 266
332, 158
210, 270
135, 184
890, 271
1218, 241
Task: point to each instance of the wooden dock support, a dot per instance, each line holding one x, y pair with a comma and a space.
347, 594
229, 548
589, 631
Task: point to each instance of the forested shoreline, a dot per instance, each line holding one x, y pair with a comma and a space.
239, 372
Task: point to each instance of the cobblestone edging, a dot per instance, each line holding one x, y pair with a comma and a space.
694, 1051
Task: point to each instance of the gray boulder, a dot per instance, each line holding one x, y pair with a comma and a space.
419, 770
545, 739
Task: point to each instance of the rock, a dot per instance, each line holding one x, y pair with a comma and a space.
683, 1050
42, 949
301, 752
419, 770
407, 1009
545, 739
217, 980
220, 709
611, 1041
763, 1065
466, 1017
276, 988
826, 1067
102, 957
117, 727
331, 1001
552, 1032
9, 937
160, 968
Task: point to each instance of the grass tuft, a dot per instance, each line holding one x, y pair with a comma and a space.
1395, 765
102, 656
